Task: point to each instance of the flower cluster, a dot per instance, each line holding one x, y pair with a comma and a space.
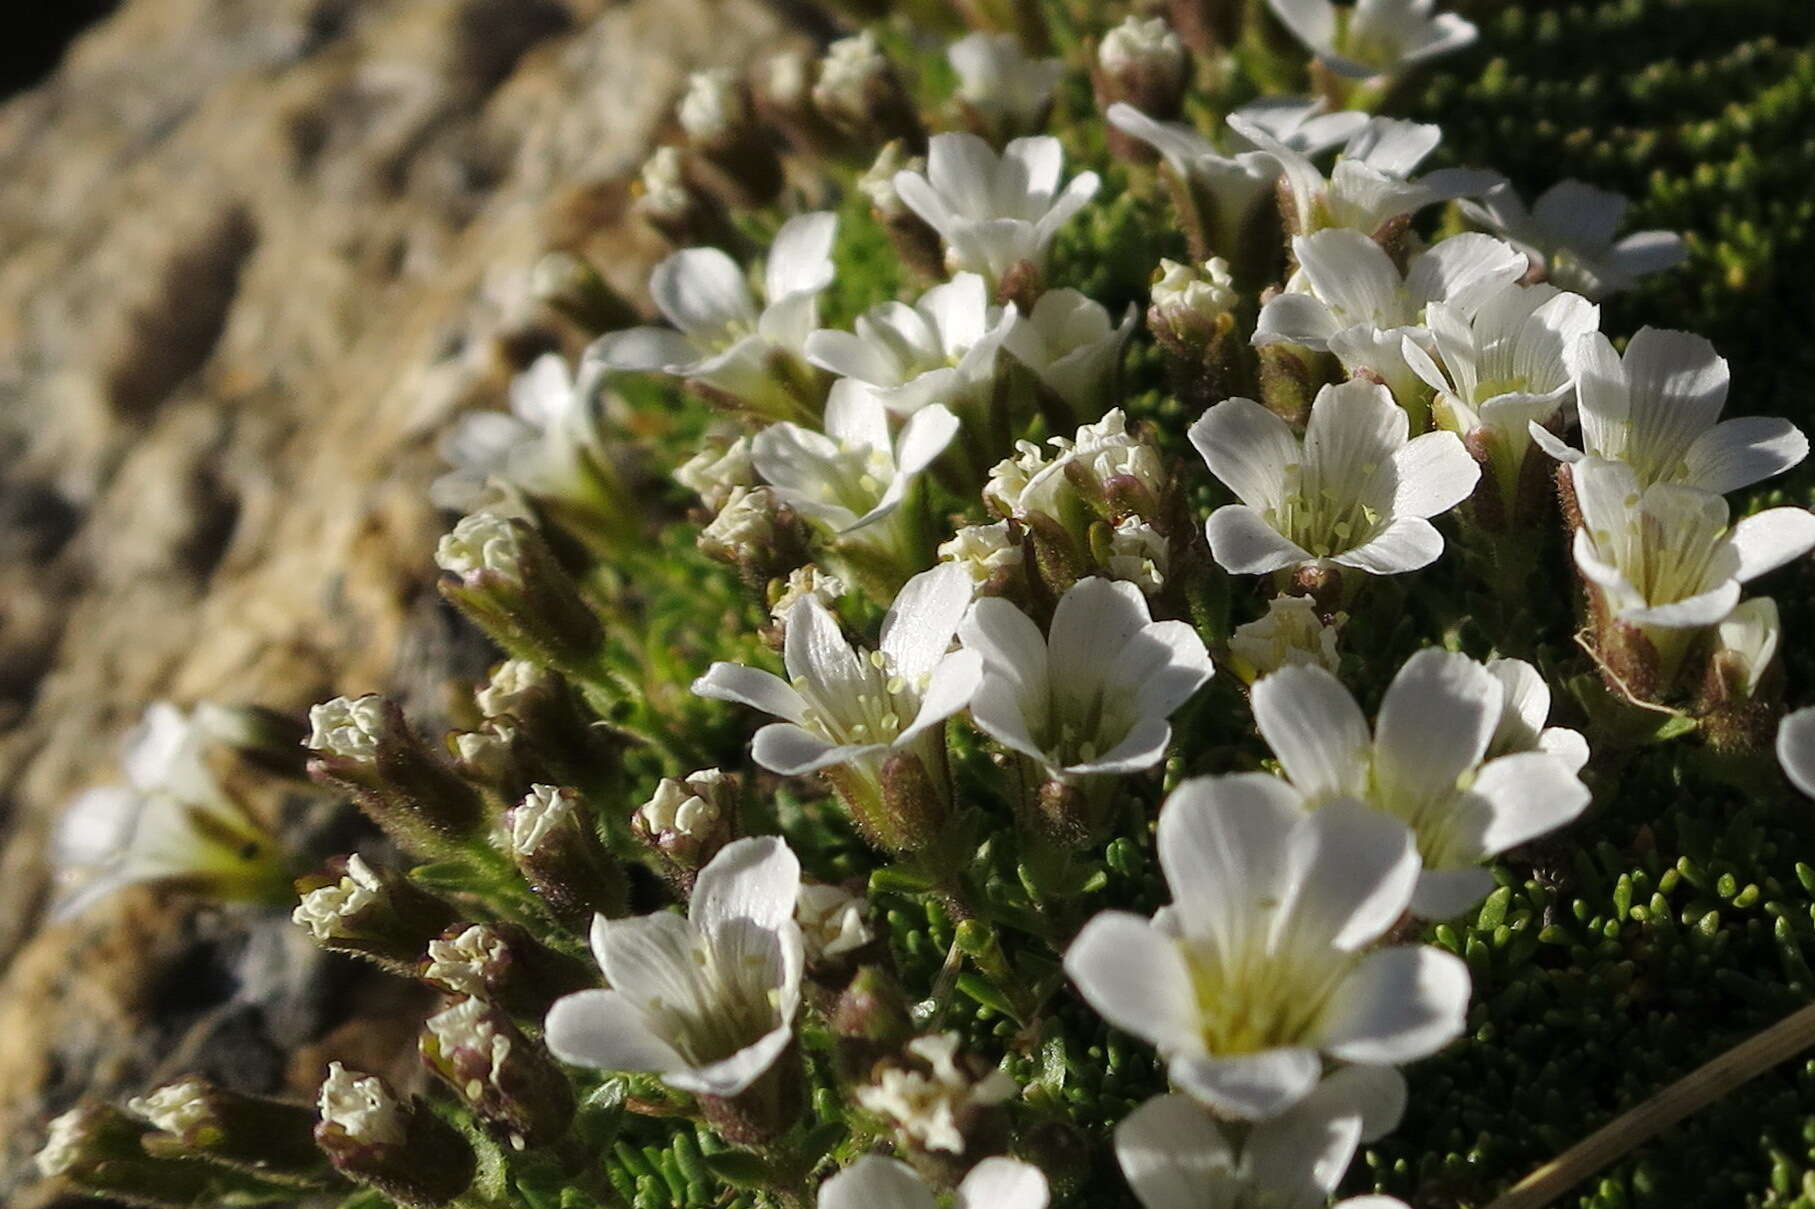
982, 588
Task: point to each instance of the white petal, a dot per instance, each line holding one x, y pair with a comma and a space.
1769, 539
924, 437
756, 879
1678, 385
753, 687
1296, 319
1434, 473
1447, 893
1348, 876
1249, 1087
1796, 749
651, 959
949, 689
1738, 453
1406, 544
1169, 662
800, 259
1354, 275
1002, 713
642, 348
702, 290
1244, 544
1399, 1005
1566, 745
874, 1182
962, 169
999, 1183
1173, 1154
1435, 722
605, 1031
1222, 845
1648, 252
1091, 625
850, 355
1135, 978
1579, 215
1012, 646
1312, 22
815, 649
1315, 729
922, 622
1463, 270
1300, 1155
1249, 448
1531, 793
794, 751
732, 1076
1393, 145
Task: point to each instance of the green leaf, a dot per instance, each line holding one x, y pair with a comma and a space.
741, 1170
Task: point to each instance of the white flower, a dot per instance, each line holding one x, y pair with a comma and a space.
544, 809
1370, 184
1178, 1156
706, 1001
846, 705
715, 470
747, 521
722, 337
1796, 749
940, 350
995, 211
1139, 555
1002, 83
1657, 409
1569, 234
1093, 696
1374, 37
548, 444
1143, 48
1664, 557
459, 966
1070, 344
1227, 189
1745, 644
175, 1107
675, 809
1291, 633
854, 474
664, 184
510, 685
1207, 292
325, 909
1258, 966
831, 921
713, 107
362, 1107
982, 550
171, 821
927, 1107
1504, 368
803, 582
873, 1182
1350, 299
1428, 762
1354, 492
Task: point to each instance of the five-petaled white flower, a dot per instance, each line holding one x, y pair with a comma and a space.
1178, 1156
1093, 696
1657, 409
1001, 83
846, 705
854, 475
1504, 368
1796, 749
1569, 235
873, 1182
723, 337
548, 444
940, 350
1259, 965
706, 1000
995, 211
1073, 348
1430, 762
1374, 37
1355, 492
1665, 558
1371, 183
1350, 299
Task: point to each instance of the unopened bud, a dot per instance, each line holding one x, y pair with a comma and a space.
1192, 317
1143, 63
716, 113
831, 922
860, 92
555, 843
756, 534
784, 100
718, 470
505, 1078
503, 575
871, 1020
97, 1148
1292, 633
1136, 553
505, 965
687, 821
688, 215
401, 1149
1290, 376
363, 747
915, 241
268, 1138
377, 914
990, 553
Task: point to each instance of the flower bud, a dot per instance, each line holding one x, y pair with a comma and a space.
756, 534
1292, 633
683, 212
1143, 63
505, 1078
717, 470
1135, 552
938, 1103
568, 284
377, 914
551, 736
992, 555
400, 1149
784, 100
488, 756
1744, 679
503, 575
363, 747
265, 1137
1003, 92
920, 247
717, 115
803, 582
831, 923
871, 1020
505, 965
914, 807
1290, 376
98, 1149
555, 843
687, 821
859, 92
1192, 317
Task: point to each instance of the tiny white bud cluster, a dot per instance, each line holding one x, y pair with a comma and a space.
664, 184
713, 108
1139, 554
545, 809
468, 1026
804, 582
1290, 634
851, 67
717, 470
926, 1107
747, 519
175, 1107
325, 909
1209, 291
1142, 45
63, 1146
459, 965
362, 1107
878, 182
510, 682
347, 726
675, 809
981, 550
483, 541
787, 78
831, 920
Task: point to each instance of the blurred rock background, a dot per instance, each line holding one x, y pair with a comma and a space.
254, 254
